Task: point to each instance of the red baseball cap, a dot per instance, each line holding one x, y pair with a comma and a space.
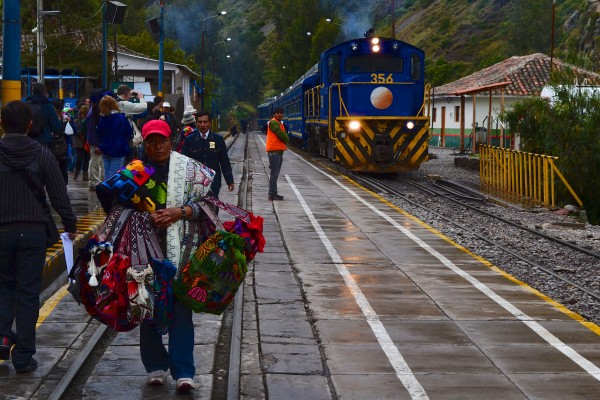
156, 126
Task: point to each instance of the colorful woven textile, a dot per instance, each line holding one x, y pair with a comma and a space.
209, 281
134, 187
125, 284
251, 232
164, 272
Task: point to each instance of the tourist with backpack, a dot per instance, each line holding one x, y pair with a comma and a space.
45, 120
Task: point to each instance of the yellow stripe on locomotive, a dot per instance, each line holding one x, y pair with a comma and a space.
381, 144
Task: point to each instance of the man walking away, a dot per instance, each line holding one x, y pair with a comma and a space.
277, 139
45, 121
26, 169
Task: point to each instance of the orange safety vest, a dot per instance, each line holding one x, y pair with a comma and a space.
273, 141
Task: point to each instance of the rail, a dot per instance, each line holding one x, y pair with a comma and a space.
524, 174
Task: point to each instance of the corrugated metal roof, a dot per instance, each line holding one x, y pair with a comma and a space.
527, 75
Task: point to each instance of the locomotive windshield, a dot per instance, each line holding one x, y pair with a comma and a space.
368, 63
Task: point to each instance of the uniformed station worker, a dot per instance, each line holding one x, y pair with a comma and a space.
210, 149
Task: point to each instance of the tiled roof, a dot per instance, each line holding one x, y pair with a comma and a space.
525, 75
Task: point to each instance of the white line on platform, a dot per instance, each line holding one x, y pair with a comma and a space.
403, 371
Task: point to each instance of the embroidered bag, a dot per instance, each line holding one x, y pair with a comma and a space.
209, 281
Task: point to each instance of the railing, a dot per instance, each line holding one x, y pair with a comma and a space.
426, 101
523, 174
312, 99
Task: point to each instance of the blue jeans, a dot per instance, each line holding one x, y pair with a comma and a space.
180, 357
112, 165
275, 161
22, 259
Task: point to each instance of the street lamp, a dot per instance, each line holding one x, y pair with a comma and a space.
41, 44
213, 55
202, 54
330, 21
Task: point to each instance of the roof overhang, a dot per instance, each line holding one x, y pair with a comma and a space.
480, 89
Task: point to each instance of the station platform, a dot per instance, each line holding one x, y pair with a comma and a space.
352, 299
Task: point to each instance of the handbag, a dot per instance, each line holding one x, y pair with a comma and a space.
58, 147
137, 136
209, 281
69, 129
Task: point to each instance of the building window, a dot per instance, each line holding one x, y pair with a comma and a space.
434, 116
456, 113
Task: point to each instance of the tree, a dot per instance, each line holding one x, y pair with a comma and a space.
567, 129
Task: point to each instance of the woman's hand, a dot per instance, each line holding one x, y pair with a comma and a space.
164, 218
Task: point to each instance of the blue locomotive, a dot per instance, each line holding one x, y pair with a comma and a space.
364, 105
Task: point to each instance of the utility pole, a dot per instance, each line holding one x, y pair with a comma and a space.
11, 53
40, 40
393, 19
161, 50
552, 37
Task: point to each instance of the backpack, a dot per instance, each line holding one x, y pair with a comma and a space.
37, 116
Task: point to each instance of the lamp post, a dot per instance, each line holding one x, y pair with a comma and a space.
202, 55
213, 55
161, 50
41, 44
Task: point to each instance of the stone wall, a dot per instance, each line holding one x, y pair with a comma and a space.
471, 163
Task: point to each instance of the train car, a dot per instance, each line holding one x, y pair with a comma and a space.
364, 105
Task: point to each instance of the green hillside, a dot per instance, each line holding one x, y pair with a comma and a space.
271, 45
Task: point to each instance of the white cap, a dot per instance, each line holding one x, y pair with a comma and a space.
166, 104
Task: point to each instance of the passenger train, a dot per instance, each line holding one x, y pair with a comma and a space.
365, 104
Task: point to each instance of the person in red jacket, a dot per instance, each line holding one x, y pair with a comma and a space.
277, 139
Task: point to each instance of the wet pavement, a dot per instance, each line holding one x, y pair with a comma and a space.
353, 299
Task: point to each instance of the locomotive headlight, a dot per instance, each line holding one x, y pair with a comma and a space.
410, 125
395, 46
354, 46
375, 48
354, 125
375, 40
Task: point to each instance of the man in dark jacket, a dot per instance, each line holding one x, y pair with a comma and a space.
210, 149
51, 122
26, 169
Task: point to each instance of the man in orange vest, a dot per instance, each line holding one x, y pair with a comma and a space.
277, 138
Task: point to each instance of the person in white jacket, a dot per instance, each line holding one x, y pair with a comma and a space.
129, 108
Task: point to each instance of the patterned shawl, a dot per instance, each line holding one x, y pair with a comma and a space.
189, 181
